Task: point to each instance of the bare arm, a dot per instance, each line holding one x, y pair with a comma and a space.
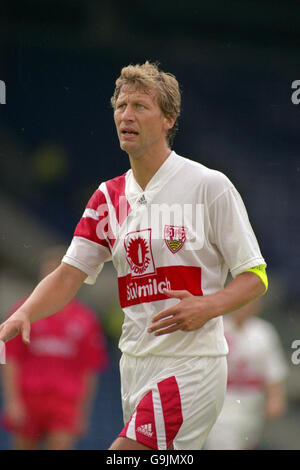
193, 312
50, 295
275, 400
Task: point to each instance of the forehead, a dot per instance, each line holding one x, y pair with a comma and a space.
131, 92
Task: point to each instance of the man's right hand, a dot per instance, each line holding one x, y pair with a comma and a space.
51, 294
17, 323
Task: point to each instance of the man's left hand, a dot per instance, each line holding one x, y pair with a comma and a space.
190, 313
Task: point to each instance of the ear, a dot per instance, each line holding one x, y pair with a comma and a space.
169, 122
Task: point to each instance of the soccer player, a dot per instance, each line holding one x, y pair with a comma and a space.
257, 371
173, 228
49, 385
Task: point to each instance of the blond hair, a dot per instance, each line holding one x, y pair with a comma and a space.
147, 76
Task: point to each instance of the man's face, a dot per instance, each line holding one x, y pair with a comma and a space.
140, 123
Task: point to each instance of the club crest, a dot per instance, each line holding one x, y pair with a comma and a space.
175, 237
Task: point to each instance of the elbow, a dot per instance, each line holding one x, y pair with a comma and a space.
260, 277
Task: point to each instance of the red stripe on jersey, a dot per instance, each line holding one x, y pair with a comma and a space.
116, 191
96, 200
87, 228
171, 406
98, 231
241, 382
135, 290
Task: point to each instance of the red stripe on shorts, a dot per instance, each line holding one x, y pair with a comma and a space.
145, 429
171, 405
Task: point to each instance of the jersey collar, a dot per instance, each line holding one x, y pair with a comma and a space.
169, 167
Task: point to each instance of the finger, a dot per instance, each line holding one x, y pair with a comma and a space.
25, 331
167, 312
168, 330
162, 324
7, 334
178, 294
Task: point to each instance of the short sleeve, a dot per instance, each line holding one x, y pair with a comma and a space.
232, 232
90, 249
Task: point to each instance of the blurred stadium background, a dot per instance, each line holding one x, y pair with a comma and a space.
235, 62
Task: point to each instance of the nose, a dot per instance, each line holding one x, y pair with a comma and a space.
128, 113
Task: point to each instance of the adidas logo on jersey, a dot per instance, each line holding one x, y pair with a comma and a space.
146, 429
142, 200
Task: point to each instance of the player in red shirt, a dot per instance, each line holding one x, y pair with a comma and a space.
49, 384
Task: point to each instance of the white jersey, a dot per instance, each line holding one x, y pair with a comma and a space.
255, 355
184, 231
255, 360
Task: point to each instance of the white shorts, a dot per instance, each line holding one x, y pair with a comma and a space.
171, 400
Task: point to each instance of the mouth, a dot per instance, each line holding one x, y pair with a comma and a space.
128, 132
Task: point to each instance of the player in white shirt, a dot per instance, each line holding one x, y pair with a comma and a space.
173, 228
257, 371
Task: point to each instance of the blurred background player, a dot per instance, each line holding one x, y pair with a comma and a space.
49, 385
256, 374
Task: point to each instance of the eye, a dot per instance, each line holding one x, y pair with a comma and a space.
121, 106
140, 106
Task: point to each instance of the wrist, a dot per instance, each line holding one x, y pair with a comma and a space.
217, 304
21, 314
213, 305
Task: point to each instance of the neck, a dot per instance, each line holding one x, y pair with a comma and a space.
144, 167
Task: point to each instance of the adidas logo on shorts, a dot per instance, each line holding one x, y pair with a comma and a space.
145, 429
